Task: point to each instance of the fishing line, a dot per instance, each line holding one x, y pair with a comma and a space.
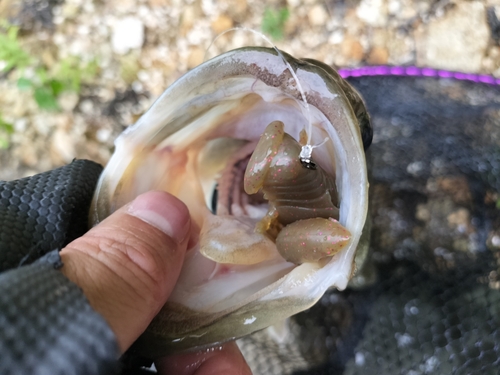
305, 153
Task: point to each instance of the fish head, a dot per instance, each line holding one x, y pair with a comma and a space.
203, 129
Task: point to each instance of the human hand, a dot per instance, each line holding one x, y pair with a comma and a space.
127, 267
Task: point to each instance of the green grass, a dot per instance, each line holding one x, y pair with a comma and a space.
11, 53
6, 130
68, 75
46, 84
273, 22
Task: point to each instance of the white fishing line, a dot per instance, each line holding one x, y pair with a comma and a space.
307, 148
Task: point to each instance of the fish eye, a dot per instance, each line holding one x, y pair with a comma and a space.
366, 128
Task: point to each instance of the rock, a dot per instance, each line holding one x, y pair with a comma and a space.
158, 3
457, 187
195, 57
128, 33
27, 153
123, 6
70, 10
373, 12
68, 100
19, 107
187, 20
378, 56
317, 15
20, 125
422, 213
456, 41
62, 148
87, 107
129, 66
221, 24
336, 37
10, 9
459, 219
238, 11
400, 48
103, 134
493, 241
352, 48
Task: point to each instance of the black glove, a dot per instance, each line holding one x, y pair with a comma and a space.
47, 325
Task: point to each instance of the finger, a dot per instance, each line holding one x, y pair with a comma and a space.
222, 360
128, 265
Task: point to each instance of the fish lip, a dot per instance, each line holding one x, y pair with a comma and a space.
264, 64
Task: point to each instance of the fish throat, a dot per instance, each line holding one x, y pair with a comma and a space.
229, 197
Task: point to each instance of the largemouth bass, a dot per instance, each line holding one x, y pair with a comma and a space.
272, 250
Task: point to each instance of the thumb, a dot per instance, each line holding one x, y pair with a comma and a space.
127, 266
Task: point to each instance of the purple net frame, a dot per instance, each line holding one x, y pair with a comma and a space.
413, 71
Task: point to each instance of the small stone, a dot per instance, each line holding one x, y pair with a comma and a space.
187, 20
495, 241
123, 6
317, 15
103, 135
394, 7
70, 10
87, 107
68, 100
293, 24
336, 37
129, 66
238, 11
457, 187
221, 24
21, 124
400, 47
27, 153
195, 57
459, 219
352, 49
422, 213
378, 56
48, 58
42, 123
128, 33
373, 12
491, 197
159, 3
62, 148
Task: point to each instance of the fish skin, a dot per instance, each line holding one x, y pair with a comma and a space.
435, 308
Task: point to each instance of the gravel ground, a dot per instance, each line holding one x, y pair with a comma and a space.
138, 48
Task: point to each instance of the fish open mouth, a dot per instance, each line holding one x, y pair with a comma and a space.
196, 142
